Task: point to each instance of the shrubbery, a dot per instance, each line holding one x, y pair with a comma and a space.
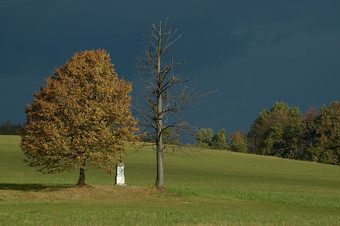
235, 141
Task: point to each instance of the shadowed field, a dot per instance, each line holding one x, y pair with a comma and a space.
202, 187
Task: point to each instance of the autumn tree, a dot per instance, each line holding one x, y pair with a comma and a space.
328, 134
166, 93
238, 142
81, 116
321, 136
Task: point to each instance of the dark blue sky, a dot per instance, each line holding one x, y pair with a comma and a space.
253, 52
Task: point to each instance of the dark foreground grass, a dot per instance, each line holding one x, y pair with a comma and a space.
203, 187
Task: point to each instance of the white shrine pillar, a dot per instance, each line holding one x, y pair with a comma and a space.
120, 178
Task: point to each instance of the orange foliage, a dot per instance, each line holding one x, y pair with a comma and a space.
83, 113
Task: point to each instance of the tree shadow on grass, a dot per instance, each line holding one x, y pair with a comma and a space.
33, 187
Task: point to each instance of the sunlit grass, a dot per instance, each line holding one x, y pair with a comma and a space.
202, 187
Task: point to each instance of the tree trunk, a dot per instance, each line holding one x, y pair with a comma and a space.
160, 174
81, 181
159, 145
159, 117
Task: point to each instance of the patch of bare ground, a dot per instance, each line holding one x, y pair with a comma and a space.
95, 193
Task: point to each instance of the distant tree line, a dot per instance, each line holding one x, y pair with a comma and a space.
237, 142
8, 128
283, 131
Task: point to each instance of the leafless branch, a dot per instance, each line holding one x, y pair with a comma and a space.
166, 93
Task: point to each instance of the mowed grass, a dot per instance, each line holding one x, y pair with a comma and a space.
205, 187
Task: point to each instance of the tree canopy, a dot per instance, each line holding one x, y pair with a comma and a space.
82, 114
277, 131
327, 133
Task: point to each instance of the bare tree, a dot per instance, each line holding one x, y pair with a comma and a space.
166, 94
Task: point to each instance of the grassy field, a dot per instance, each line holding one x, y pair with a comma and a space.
205, 187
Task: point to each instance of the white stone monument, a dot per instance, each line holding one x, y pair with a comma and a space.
120, 178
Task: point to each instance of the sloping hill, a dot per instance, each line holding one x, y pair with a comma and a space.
203, 187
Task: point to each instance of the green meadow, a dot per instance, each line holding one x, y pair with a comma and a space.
204, 187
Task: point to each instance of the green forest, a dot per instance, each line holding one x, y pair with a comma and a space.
283, 131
